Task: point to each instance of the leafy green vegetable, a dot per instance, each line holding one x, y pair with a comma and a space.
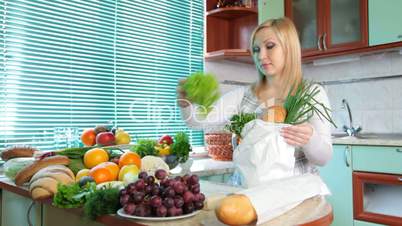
238, 121
13, 166
72, 196
145, 147
101, 202
76, 165
302, 105
203, 89
74, 153
181, 146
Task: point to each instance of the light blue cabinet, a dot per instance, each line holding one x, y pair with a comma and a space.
270, 9
337, 174
385, 19
377, 159
15, 208
363, 223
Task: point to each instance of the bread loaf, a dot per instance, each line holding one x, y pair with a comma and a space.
26, 173
44, 183
275, 114
17, 151
236, 210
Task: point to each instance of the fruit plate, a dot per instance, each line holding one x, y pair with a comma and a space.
121, 213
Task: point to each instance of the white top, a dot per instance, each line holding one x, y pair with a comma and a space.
317, 151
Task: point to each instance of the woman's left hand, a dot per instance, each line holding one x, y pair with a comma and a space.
297, 135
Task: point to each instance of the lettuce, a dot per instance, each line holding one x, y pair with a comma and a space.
202, 89
13, 166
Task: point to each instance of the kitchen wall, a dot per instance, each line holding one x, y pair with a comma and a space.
376, 103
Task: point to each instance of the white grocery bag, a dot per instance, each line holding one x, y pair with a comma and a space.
263, 155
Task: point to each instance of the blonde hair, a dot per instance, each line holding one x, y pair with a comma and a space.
287, 35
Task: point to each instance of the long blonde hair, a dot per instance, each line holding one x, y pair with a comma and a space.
287, 35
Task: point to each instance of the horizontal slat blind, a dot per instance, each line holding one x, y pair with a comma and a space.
72, 63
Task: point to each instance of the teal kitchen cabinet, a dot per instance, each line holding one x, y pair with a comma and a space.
377, 159
337, 174
270, 9
363, 223
385, 21
15, 210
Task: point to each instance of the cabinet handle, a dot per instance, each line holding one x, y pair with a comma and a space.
346, 154
319, 43
324, 41
29, 213
398, 150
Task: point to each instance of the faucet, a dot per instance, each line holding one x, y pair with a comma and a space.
351, 131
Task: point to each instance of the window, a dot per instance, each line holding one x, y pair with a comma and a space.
72, 63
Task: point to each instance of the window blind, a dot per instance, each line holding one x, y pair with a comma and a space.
72, 63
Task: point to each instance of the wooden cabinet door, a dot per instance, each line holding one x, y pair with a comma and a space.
327, 26
345, 25
385, 21
377, 197
337, 174
307, 17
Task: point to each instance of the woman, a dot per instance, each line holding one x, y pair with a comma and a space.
277, 55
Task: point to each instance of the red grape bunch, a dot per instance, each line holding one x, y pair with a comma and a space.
170, 197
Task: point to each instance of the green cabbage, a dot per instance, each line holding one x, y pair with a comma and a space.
13, 166
202, 89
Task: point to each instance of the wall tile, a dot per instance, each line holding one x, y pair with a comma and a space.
397, 93
233, 71
376, 64
378, 121
397, 121
396, 63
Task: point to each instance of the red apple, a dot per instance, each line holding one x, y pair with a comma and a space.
105, 139
166, 139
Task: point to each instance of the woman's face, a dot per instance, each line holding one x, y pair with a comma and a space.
268, 53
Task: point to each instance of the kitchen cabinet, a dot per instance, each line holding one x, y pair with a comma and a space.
337, 174
17, 213
228, 31
384, 21
52, 216
270, 9
327, 26
363, 223
377, 159
378, 197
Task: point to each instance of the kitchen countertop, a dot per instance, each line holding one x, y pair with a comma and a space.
312, 212
369, 139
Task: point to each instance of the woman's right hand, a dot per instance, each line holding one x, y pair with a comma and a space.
181, 95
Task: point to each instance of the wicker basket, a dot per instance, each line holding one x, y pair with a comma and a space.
219, 146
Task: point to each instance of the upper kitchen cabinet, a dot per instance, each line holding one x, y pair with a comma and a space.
385, 21
328, 26
270, 9
228, 29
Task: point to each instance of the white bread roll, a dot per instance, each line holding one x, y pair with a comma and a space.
44, 183
40, 193
59, 172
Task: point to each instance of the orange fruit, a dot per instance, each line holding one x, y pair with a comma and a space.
88, 137
94, 157
112, 167
130, 158
101, 174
